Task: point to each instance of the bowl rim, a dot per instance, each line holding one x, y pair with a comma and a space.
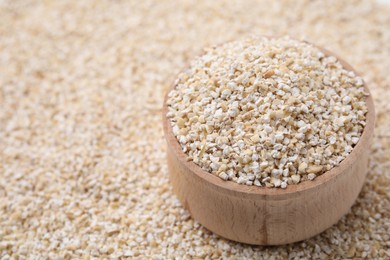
293, 190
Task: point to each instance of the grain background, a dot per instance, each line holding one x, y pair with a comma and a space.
83, 171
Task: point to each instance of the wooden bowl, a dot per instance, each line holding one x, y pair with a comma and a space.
269, 216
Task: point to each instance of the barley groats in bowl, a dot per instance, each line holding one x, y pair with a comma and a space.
289, 120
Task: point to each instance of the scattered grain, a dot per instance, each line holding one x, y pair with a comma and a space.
80, 124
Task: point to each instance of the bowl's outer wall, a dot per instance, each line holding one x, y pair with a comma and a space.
265, 221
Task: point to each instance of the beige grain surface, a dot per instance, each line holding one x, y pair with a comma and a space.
83, 170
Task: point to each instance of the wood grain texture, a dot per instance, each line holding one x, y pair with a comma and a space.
269, 216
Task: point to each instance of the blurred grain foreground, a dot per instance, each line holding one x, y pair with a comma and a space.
83, 170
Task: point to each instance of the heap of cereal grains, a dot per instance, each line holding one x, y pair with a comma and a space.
267, 112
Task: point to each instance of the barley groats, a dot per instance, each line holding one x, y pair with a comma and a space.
267, 112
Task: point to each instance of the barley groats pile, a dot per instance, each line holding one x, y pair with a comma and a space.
267, 112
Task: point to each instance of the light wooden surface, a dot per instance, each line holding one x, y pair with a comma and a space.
269, 216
